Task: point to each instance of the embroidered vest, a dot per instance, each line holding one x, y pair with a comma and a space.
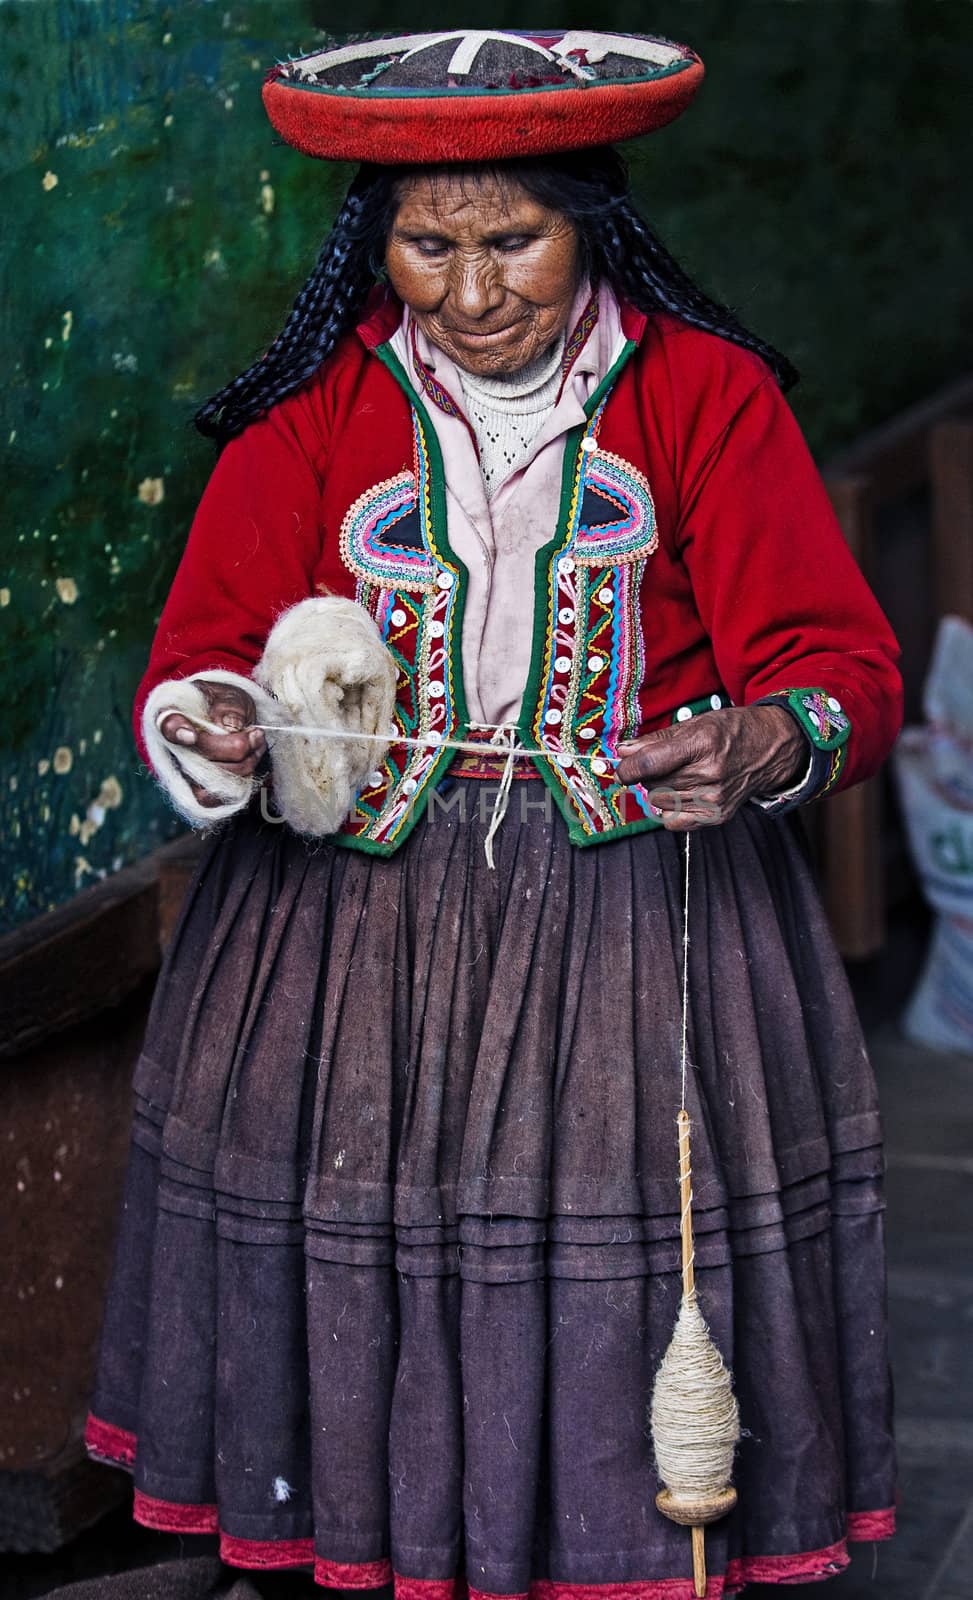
587, 666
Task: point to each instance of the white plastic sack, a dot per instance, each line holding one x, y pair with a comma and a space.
934, 770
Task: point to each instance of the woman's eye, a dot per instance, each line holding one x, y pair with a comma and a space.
431, 247
511, 242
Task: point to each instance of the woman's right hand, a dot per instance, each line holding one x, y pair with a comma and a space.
238, 750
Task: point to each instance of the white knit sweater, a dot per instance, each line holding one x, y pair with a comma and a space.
507, 413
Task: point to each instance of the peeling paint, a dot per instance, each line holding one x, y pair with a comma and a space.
152, 491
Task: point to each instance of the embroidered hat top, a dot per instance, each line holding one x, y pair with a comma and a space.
478, 94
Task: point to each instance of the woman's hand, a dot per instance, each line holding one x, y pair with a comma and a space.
699, 772
238, 750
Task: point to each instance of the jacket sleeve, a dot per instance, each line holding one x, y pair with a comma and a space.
251, 554
788, 611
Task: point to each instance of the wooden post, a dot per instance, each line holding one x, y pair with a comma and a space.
686, 1206
951, 482
851, 827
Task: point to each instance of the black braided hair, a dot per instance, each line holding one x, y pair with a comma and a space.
589, 187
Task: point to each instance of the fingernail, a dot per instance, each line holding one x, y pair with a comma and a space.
232, 724
254, 738
185, 736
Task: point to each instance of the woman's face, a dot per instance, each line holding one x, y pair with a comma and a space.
488, 273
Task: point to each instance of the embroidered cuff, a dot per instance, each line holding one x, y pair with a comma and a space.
827, 728
175, 765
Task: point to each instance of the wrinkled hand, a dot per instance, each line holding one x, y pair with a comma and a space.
701, 771
238, 750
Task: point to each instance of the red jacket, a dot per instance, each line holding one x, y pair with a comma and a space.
696, 553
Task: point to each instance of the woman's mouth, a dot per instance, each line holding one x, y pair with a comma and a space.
482, 335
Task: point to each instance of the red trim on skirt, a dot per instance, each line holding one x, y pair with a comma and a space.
166, 1516
118, 1446
864, 1526
360, 1574
108, 1443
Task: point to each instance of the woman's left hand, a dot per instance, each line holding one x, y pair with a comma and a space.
699, 772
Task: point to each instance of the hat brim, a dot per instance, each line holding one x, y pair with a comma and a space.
473, 125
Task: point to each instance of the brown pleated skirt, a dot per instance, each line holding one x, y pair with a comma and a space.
399, 1252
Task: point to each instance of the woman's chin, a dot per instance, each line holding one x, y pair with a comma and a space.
500, 355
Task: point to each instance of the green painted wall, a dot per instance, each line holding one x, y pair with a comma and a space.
154, 235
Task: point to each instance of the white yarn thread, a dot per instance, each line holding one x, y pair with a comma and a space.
467, 746
503, 741
694, 1415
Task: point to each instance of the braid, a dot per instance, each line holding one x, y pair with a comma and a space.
326, 306
638, 265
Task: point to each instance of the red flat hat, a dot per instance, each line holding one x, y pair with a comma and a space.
478, 95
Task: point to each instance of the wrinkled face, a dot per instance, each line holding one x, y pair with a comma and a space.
488, 273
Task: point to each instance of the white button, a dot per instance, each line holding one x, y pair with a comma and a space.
552, 716
562, 664
684, 713
599, 766
589, 444
815, 718
434, 737
716, 701
436, 629
605, 596
563, 760
586, 733
595, 663
565, 614
409, 786
833, 705
445, 580
399, 617
436, 691
375, 779
565, 564
393, 732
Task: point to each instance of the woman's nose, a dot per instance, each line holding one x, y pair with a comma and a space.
476, 287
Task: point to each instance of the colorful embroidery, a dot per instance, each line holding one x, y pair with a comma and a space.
595, 658
382, 537
826, 714
838, 758
417, 622
617, 521
439, 396
822, 717
583, 696
579, 336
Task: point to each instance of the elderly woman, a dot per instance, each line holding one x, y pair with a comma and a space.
400, 1250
